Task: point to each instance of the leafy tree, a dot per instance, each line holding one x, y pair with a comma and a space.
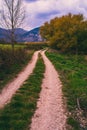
67, 33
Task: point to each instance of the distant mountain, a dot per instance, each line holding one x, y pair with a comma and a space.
20, 31
22, 35
32, 35
2, 32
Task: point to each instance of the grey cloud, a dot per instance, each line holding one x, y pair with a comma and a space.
47, 15
31, 0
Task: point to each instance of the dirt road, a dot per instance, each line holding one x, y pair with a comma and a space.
12, 87
50, 114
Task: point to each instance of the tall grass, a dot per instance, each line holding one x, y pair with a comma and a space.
17, 115
73, 73
11, 64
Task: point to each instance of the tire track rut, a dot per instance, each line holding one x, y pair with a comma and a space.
50, 113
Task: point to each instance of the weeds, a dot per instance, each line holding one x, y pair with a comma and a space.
11, 64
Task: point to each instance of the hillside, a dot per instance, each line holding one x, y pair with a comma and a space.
21, 35
32, 35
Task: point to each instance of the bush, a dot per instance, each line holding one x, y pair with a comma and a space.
67, 33
10, 61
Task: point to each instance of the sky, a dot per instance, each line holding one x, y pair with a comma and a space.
40, 11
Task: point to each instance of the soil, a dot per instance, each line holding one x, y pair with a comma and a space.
50, 113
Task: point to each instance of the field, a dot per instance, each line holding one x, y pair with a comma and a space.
5, 46
36, 45
27, 45
73, 73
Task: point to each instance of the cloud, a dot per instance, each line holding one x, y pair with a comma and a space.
40, 11
46, 14
0, 4
31, 0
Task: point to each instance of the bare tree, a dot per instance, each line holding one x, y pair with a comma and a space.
13, 15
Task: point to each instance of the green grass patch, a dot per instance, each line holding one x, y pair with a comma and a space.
17, 115
5, 46
73, 73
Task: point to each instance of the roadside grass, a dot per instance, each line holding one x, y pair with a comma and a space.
17, 114
73, 73
11, 65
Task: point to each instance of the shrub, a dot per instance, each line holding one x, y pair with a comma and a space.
9, 63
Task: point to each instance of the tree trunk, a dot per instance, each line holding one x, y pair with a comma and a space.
12, 21
12, 40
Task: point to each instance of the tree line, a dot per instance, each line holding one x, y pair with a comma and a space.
67, 33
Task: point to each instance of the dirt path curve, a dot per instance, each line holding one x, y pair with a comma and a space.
12, 87
50, 114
